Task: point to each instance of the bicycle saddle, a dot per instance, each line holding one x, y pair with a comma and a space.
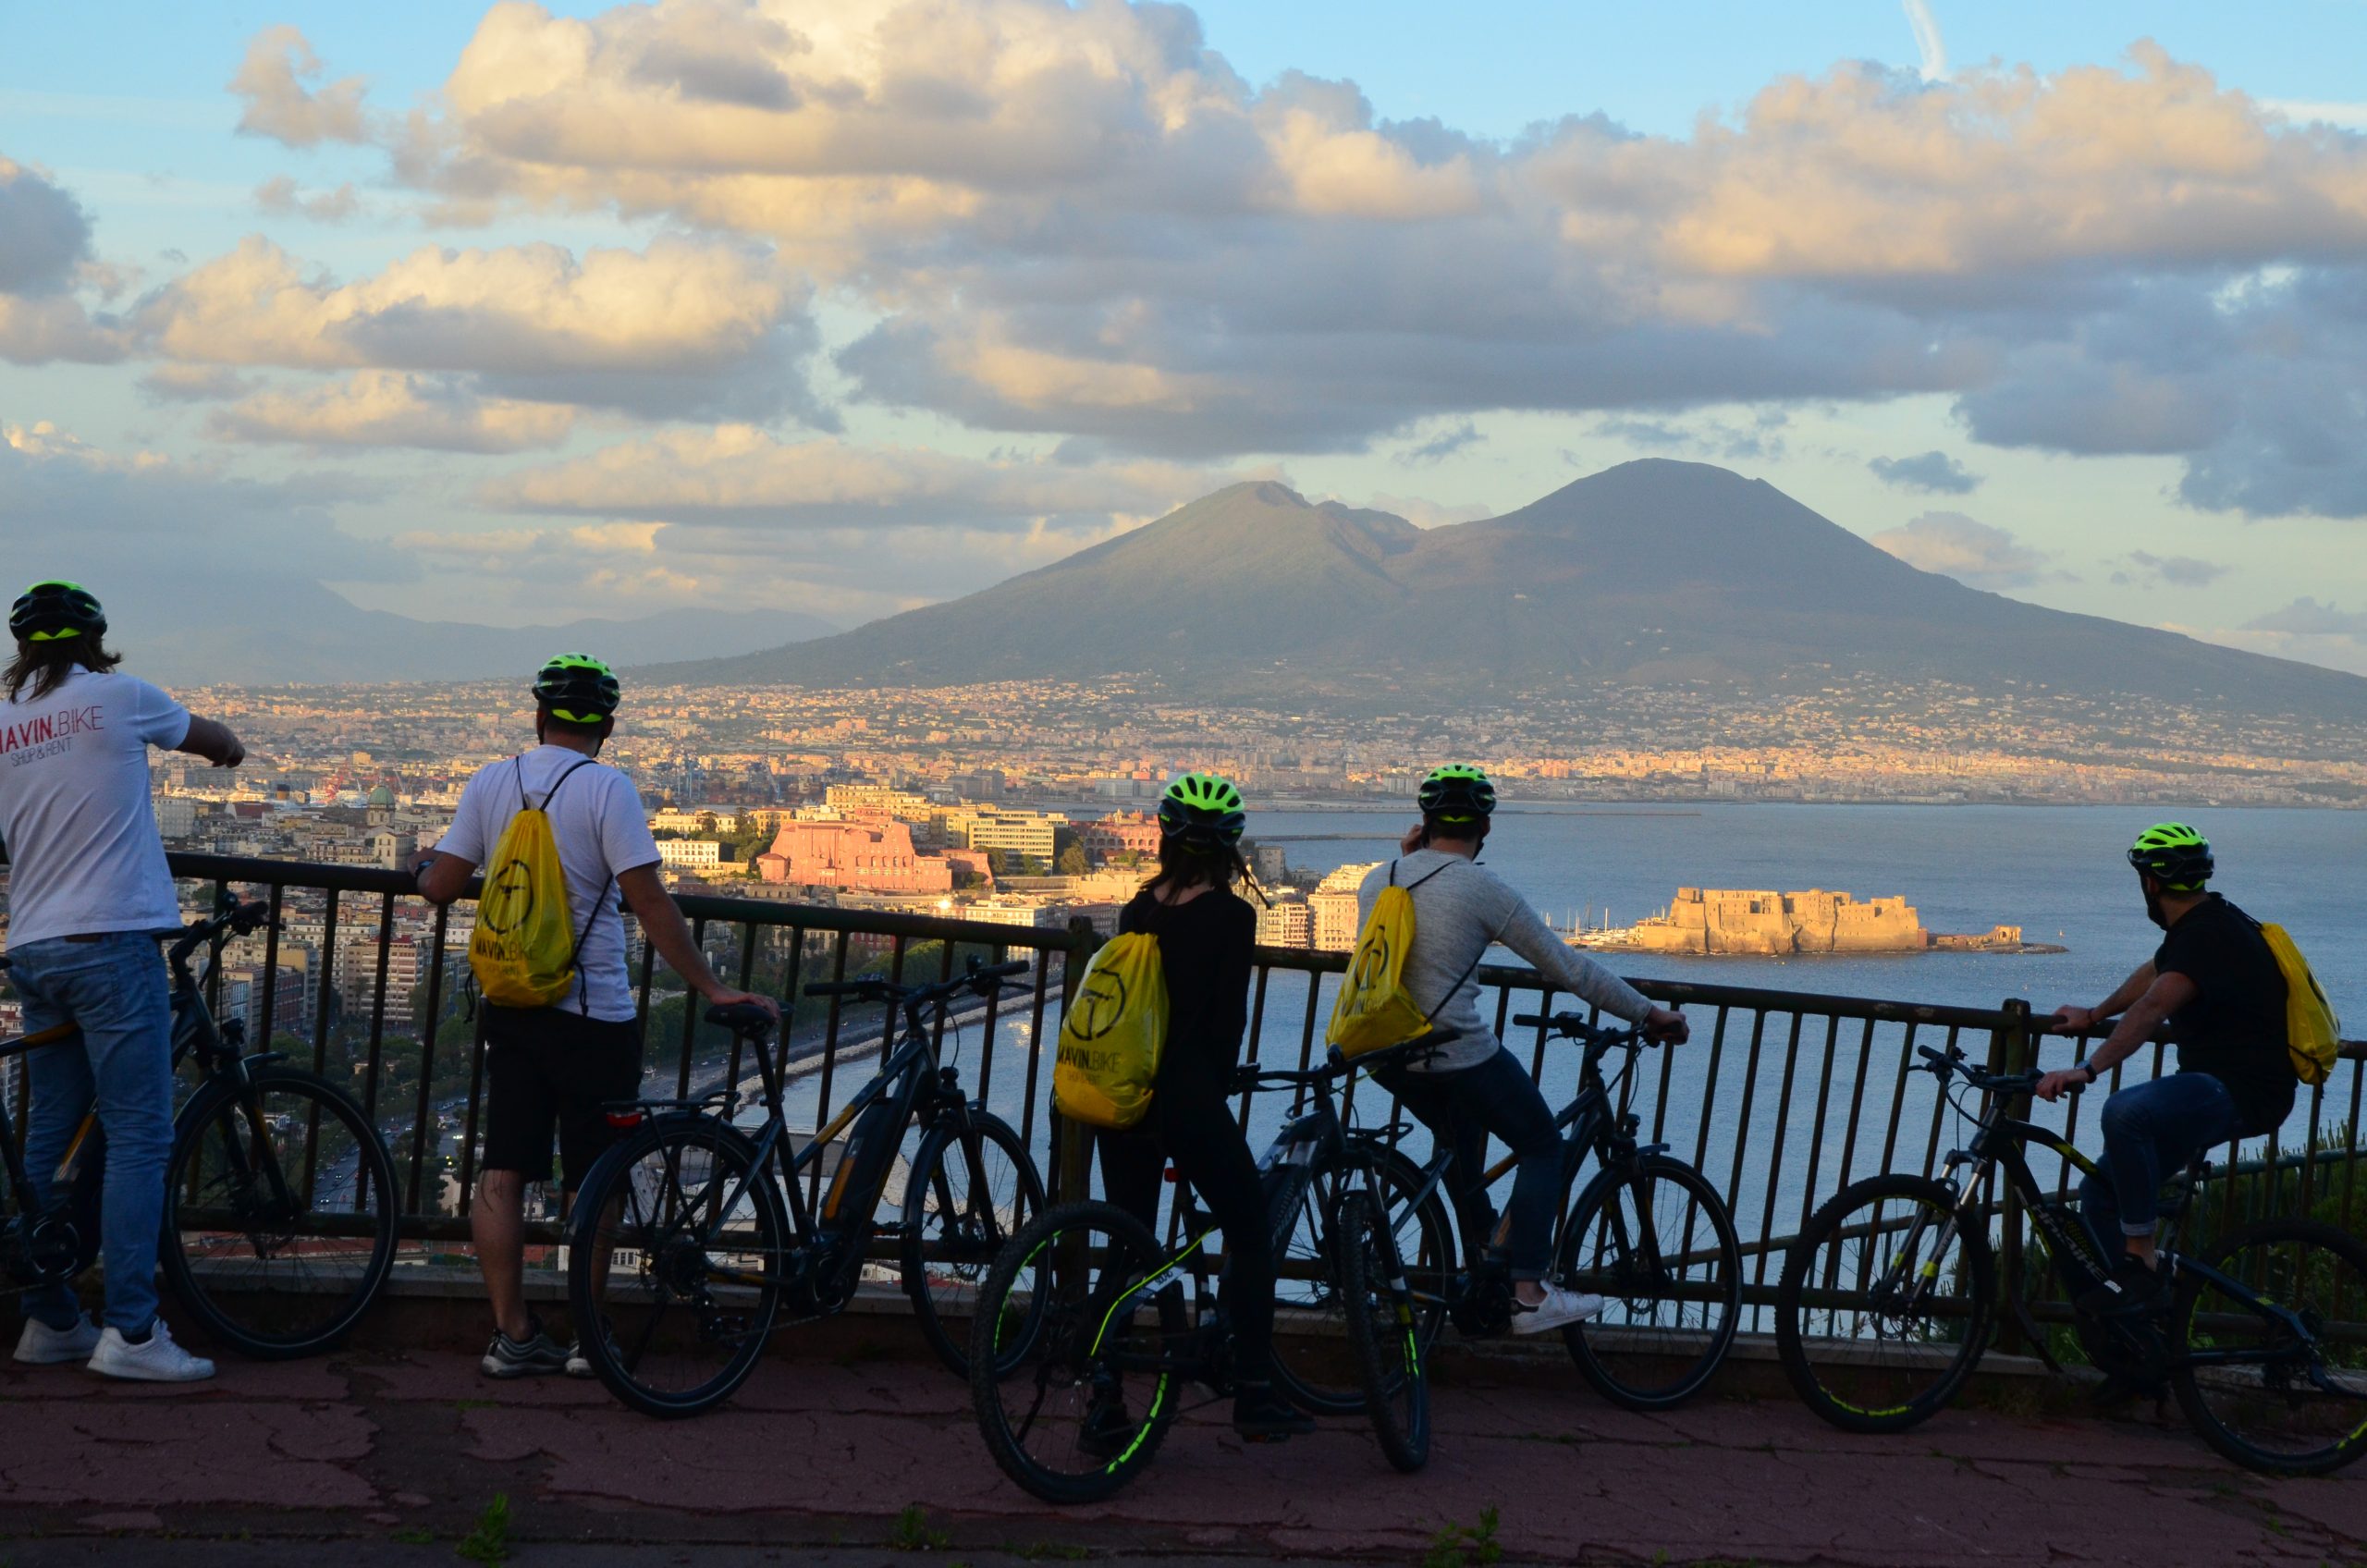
741, 1018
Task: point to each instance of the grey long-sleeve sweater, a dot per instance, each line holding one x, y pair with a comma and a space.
1458, 912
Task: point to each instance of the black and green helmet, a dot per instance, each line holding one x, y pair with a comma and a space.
1458, 792
1201, 808
577, 688
53, 612
2175, 853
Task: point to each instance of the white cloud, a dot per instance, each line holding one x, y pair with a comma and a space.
271, 79
44, 235
1930, 47
1935, 473
378, 408
1972, 552
738, 473
279, 197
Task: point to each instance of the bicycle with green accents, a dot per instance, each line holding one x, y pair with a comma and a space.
1889, 1297
1091, 1338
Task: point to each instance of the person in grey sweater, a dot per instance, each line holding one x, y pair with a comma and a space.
1469, 1085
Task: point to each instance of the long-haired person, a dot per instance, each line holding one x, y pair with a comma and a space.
1205, 931
88, 889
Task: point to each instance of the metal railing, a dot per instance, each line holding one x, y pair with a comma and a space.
1782, 1099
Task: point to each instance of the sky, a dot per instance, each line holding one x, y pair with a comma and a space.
513, 314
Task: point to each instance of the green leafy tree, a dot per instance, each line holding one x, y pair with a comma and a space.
1072, 861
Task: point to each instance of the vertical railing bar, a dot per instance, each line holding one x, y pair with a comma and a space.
1856, 1104
1898, 1096
944, 972
325, 994
1660, 1114
830, 1067
271, 969
1710, 1087
1256, 1033
2308, 1148
427, 1056
476, 1100
1776, 1155
378, 1008
1035, 1048
1816, 1134
2350, 1172
1742, 1123
689, 1013
1940, 1107
739, 1046
1002, 954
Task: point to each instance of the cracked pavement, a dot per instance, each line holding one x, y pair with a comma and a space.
368, 1458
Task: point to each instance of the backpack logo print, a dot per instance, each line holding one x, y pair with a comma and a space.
509, 894
1100, 1002
1372, 971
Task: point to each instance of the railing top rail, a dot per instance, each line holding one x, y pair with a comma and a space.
697, 906
1680, 992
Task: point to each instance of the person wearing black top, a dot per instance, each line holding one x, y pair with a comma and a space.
1205, 933
2215, 983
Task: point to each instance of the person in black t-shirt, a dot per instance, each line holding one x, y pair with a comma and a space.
2215, 983
1206, 932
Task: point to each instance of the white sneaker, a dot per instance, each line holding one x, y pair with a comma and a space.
1558, 1310
157, 1361
41, 1345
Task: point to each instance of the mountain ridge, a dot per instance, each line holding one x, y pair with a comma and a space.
1650, 573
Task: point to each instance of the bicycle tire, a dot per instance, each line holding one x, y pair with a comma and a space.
1384, 1335
1073, 1351
938, 1285
1612, 1353
648, 1336
2328, 1257
1928, 1381
1306, 1363
238, 1251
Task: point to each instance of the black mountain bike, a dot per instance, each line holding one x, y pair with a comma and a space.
279, 1199
1889, 1297
1091, 1332
1649, 1234
691, 1236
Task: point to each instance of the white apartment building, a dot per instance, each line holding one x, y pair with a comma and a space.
1005, 912
1285, 922
689, 855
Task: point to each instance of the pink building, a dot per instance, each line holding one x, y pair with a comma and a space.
1119, 832
870, 855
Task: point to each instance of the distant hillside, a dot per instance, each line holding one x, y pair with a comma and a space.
321, 639
1650, 573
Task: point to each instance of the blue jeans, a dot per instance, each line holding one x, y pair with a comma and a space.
1461, 1109
114, 990
2150, 1130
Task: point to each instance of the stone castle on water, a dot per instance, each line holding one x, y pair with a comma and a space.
1721, 920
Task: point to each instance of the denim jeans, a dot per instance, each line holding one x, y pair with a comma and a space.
114, 989
2150, 1130
1461, 1109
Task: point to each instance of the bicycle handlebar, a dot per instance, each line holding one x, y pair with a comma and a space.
233, 918
985, 982
1953, 1062
1573, 1026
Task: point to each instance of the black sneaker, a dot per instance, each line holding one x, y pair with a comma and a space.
2135, 1287
1261, 1416
536, 1355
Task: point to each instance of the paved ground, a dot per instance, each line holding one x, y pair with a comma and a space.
369, 1460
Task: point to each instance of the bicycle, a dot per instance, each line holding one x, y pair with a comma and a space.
279, 1211
1649, 1234
1084, 1298
712, 1234
2253, 1340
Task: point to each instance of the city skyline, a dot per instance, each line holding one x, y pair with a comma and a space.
315, 297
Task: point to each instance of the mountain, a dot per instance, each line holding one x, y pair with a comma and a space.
1650, 572
321, 639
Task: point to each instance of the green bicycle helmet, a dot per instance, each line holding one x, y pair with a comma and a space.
54, 611
577, 688
2175, 853
1202, 809
1458, 792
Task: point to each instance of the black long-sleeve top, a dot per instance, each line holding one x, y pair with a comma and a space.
1204, 951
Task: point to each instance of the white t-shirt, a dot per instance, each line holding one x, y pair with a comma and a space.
83, 851
602, 832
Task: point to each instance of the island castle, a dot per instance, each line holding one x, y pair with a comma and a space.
1721, 920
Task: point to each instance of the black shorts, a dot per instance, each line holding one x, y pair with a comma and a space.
547, 1067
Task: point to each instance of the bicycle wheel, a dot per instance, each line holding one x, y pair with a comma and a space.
1655, 1242
1309, 1362
1883, 1309
279, 1213
968, 1196
1384, 1335
1074, 1368
2265, 1396
675, 1264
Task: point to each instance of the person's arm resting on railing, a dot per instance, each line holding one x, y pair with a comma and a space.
212, 742
669, 935
2144, 1001
1572, 972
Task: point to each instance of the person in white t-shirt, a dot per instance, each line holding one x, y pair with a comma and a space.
555, 1067
88, 889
